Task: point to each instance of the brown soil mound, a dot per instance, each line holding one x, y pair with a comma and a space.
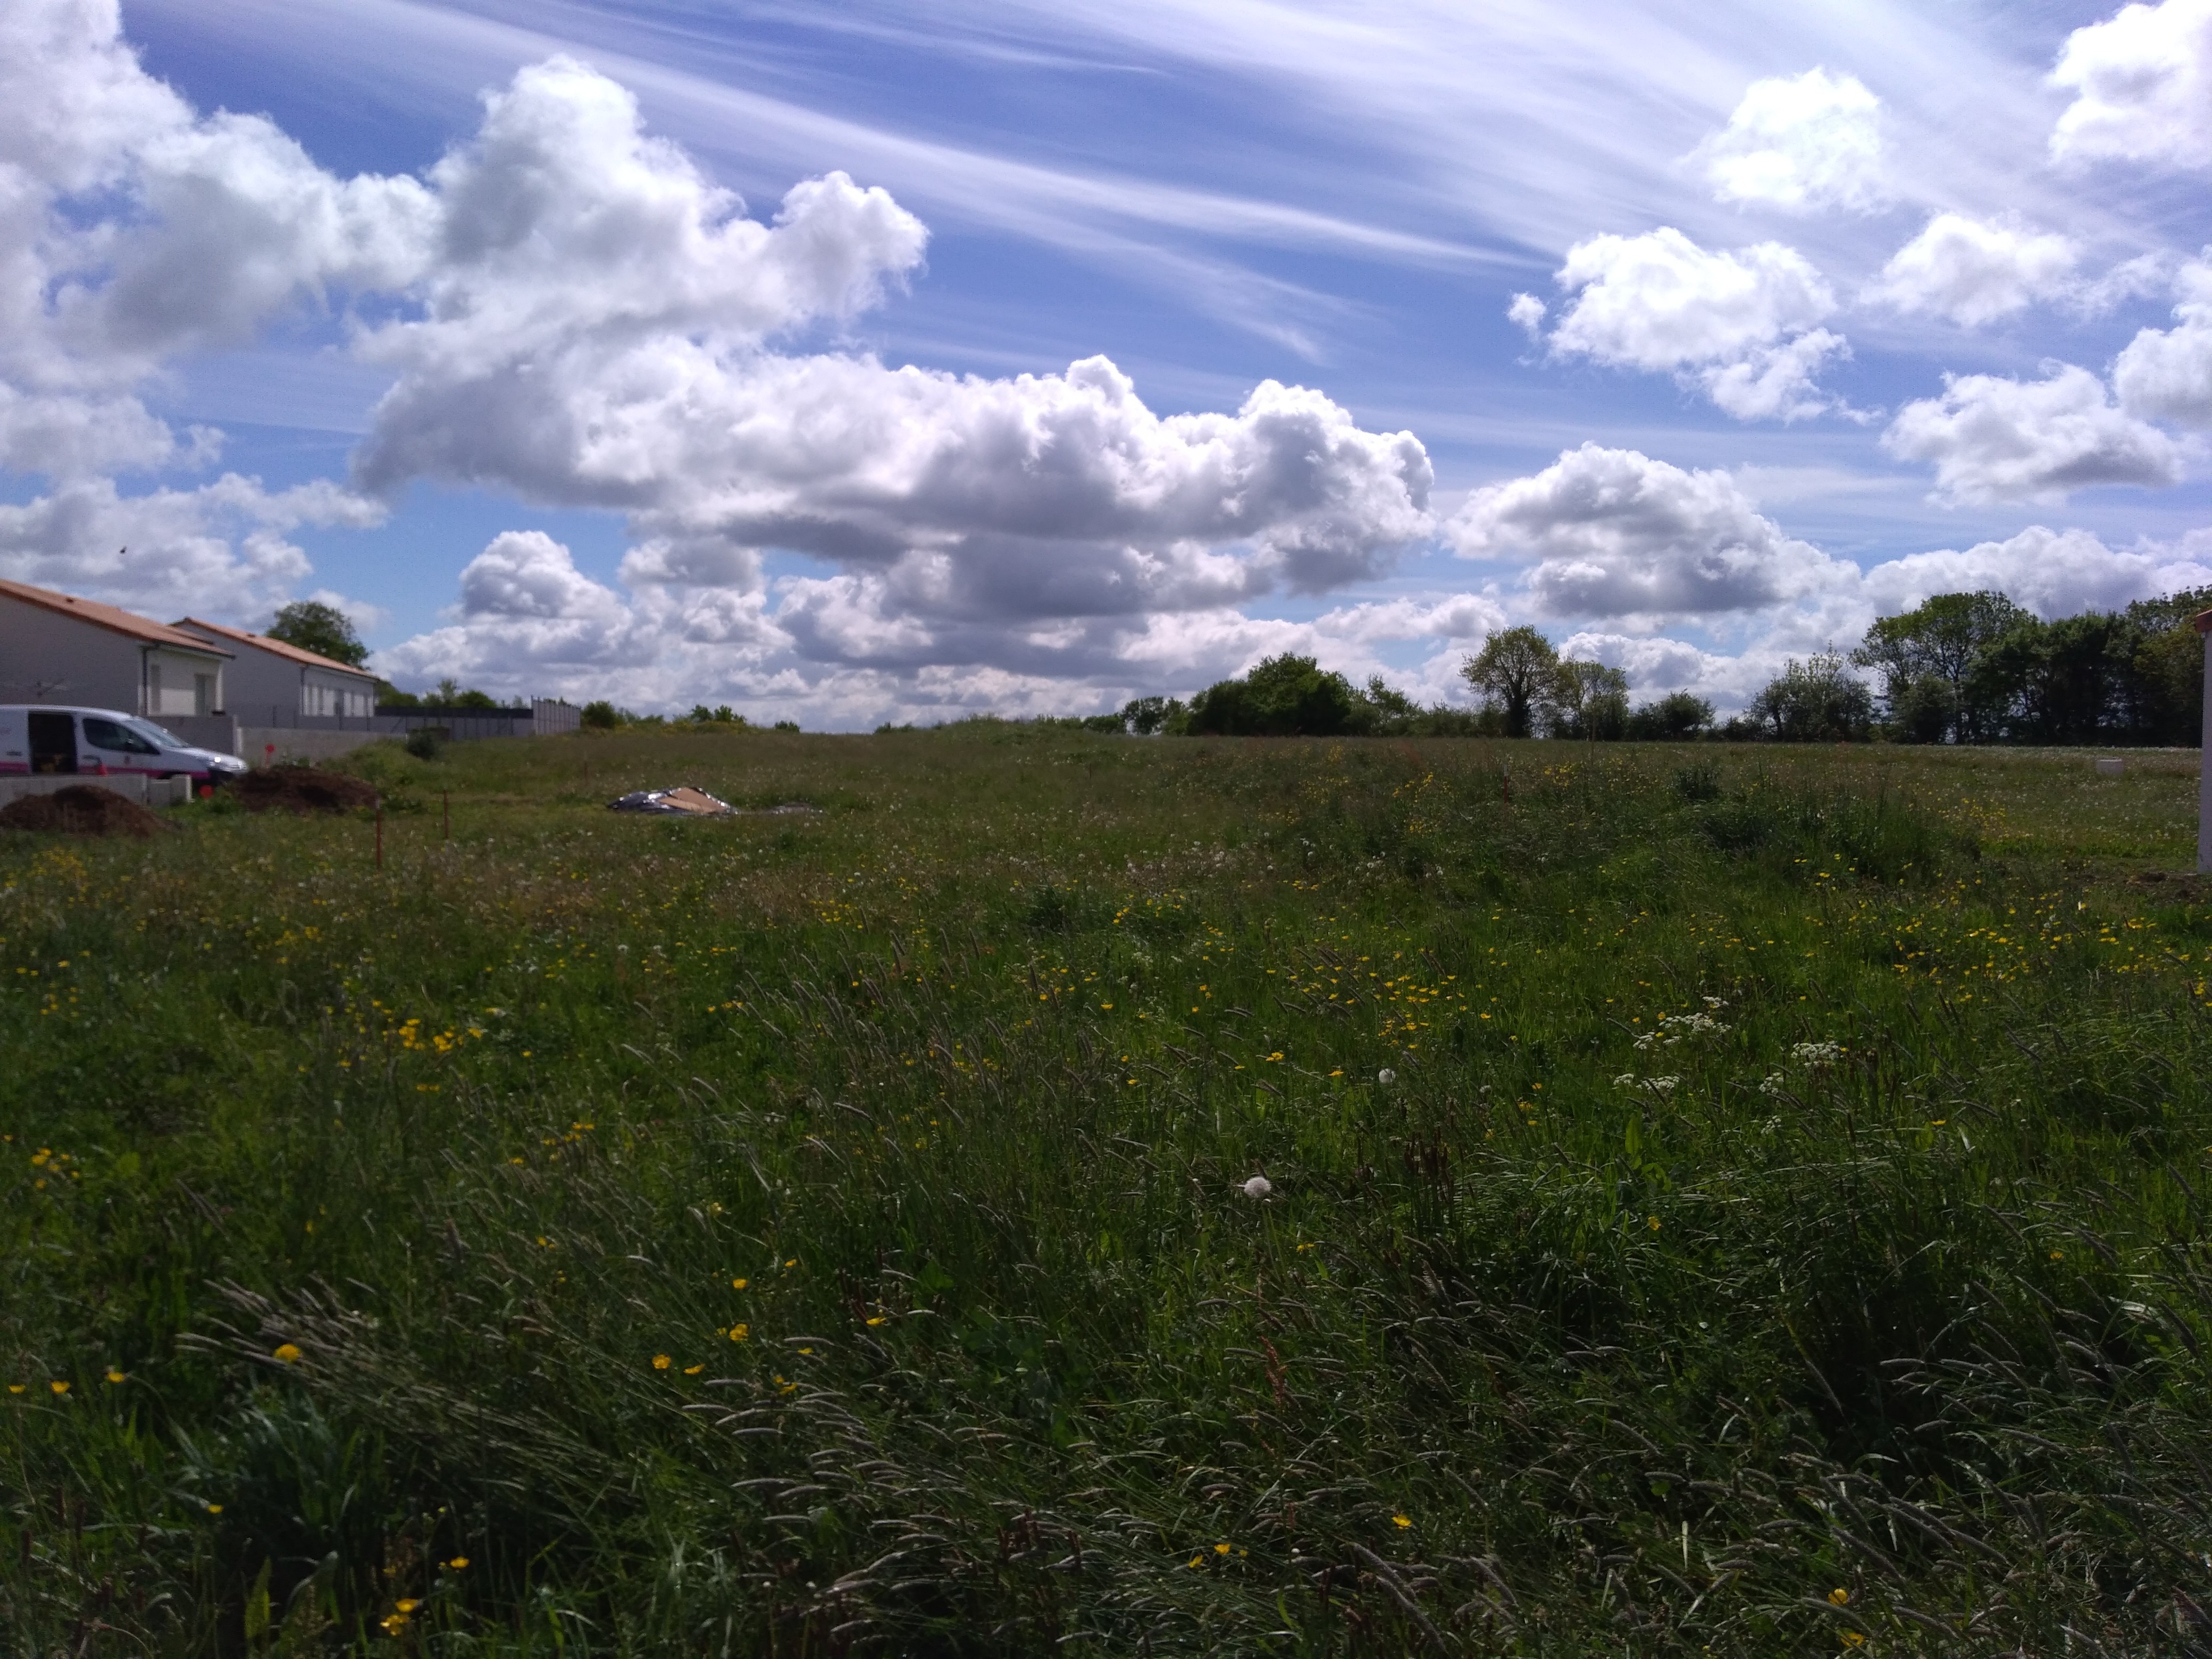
302, 789
80, 809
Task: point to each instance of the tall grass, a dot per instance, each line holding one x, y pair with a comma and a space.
1719, 1202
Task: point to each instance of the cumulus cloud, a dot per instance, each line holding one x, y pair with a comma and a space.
2053, 573
132, 230
576, 314
223, 546
1614, 533
2141, 81
1741, 324
1994, 439
602, 329
1973, 272
1800, 143
2166, 374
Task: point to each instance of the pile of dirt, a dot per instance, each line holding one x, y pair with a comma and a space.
302, 789
80, 809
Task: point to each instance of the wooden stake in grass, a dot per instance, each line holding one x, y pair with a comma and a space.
2205, 773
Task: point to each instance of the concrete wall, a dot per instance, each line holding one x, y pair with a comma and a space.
216, 731
149, 792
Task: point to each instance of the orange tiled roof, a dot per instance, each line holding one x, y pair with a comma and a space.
278, 647
111, 617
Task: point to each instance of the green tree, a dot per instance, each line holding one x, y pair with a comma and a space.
1285, 696
1816, 700
1515, 672
325, 630
1941, 637
601, 716
1590, 700
1674, 717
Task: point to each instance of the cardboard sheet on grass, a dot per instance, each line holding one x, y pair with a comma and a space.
685, 801
81, 809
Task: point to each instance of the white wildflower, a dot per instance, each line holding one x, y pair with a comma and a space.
1816, 1054
1386, 1077
1772, 1084
1258, 1187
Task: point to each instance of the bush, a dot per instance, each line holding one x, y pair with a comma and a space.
426, 741
601, 716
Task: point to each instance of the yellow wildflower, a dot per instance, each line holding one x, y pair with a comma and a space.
661, 1362
458, 1563
58, 1386
287, 1352
1839, 1595
740, 1332
115, 1376
1402, 1522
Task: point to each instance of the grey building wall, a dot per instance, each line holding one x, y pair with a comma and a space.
47, 657
267, 687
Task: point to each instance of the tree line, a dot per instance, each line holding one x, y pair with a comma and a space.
1969, 668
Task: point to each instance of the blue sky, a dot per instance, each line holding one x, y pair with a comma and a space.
1697, 335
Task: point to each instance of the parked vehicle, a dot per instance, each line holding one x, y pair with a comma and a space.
101, 743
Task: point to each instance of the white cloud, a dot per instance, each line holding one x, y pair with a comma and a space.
1776, 382
1613, 533
1659, 301
1800, 143
1742, 325
1973, 272
2142, 87
577, 314
2166, 374
221, 547
1527, 313
1992, 439
601, 330
2054, 573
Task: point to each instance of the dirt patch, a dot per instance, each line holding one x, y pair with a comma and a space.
302, 789
80, 809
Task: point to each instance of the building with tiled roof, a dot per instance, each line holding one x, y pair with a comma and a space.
280, 685
58, 648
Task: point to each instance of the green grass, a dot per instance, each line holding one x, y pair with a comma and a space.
1744, 1201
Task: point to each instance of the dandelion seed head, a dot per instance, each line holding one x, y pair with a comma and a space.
1258, 1187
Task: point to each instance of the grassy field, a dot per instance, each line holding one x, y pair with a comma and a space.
1720, 1201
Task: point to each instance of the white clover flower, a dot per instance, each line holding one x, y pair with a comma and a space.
1258, 1187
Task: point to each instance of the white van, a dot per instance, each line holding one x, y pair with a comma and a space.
101, 743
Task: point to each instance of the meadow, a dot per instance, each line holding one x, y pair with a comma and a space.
1717, 1200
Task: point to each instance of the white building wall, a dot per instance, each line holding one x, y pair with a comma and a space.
177, 683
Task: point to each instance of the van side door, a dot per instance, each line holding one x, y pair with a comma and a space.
53, 739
